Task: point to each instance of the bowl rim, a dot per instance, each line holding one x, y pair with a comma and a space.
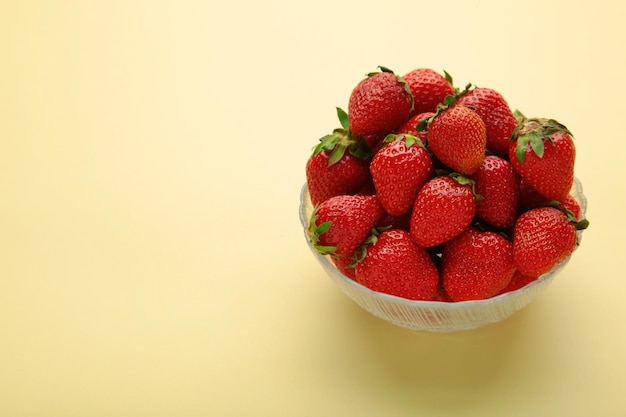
304, 220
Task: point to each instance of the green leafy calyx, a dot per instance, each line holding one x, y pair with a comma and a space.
361, 252
315, 231
449, 101
463, 180
533, 132
409, 139
341, 140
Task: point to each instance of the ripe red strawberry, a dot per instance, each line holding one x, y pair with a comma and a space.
572, 205
394, 264
399, 170
345, 265
379, 104
402, 222
441, 295
337, 164
476, 265
429, 88
443, 209
340, 224
410, 127
529, 198
373, 140
518, 281
542, 238
498, 185
458, 138
543, 153
500, 122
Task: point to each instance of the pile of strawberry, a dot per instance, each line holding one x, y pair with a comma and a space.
429, 192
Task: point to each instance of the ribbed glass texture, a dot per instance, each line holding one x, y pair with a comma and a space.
435, 316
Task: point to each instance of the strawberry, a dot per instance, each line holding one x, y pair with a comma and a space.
402, 222
476, 265
337, 164
498, 184
373, 140
572, 205
340, 224
529, 198
379, 104
518, 281
457, 137
410, 127
500, 122
345, 265
429, 88
542, 152
443, 209
399, 170
542, 238
441, 295
394, 264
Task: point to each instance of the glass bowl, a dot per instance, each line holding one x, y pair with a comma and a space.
435, 316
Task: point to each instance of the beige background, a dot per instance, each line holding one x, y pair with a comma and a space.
151, 258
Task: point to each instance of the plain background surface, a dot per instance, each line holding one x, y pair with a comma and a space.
151, 258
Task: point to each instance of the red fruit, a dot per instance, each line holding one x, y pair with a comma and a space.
443, 209
441, 295
327, 179
543, 153
379, 104
429, 88
529, 198
395, 265
572, 205
457, 137
402, 222
542, 238
518, 281
498, 184
500, 122
337, 165
399, 170
345, 265
410, 127
373, 140
340, 224
368, 188
476, 265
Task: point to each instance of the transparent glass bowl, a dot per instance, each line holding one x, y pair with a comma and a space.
434, 316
